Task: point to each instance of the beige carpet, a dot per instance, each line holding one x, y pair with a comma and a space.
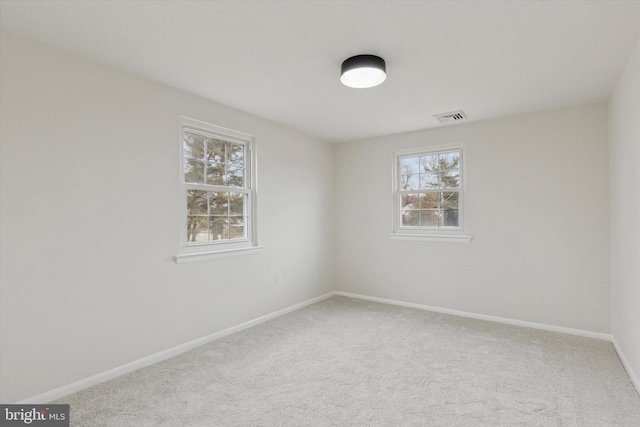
345, 362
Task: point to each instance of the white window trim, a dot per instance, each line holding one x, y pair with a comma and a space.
457, 234
204, 251
207, 256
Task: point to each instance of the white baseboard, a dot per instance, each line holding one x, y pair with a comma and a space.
74, 387
625, 363
589, 334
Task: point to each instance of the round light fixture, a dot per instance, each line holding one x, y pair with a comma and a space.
363, 71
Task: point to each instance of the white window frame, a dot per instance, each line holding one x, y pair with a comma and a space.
432, 234
202, 251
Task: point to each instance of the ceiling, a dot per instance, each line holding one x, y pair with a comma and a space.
281, 60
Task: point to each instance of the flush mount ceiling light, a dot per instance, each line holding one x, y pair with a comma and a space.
363, 71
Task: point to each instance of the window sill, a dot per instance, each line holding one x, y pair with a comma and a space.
454, 238
207, 256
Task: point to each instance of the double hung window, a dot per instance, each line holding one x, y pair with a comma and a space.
218, 191
428, 194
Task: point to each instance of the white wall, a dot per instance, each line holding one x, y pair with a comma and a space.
624, 165
89, 216
90, 221
536, 203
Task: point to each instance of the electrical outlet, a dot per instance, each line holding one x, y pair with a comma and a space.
279, 277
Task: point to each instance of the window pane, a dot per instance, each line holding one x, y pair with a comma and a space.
197, 229
409, 165
410, 218
193, 145
450, 179
218, 203
215, 150
409, 201
429, 164
410, 182
216, 180
451, 218
236, 227
193, 171
236, 204
215, 174
449, 161
429, 218
196, 202
429, 200
450, 200
235, 177
435, 201
429, 180
218, 228
235, 155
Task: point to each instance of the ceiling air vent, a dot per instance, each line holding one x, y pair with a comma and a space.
453, 116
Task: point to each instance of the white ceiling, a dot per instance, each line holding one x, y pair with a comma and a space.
281, 60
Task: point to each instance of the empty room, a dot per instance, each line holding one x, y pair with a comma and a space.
320, 213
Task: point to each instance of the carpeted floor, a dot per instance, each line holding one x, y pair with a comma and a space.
345, 362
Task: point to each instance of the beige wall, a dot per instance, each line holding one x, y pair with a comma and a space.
90, 221
624, 164
536, 203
